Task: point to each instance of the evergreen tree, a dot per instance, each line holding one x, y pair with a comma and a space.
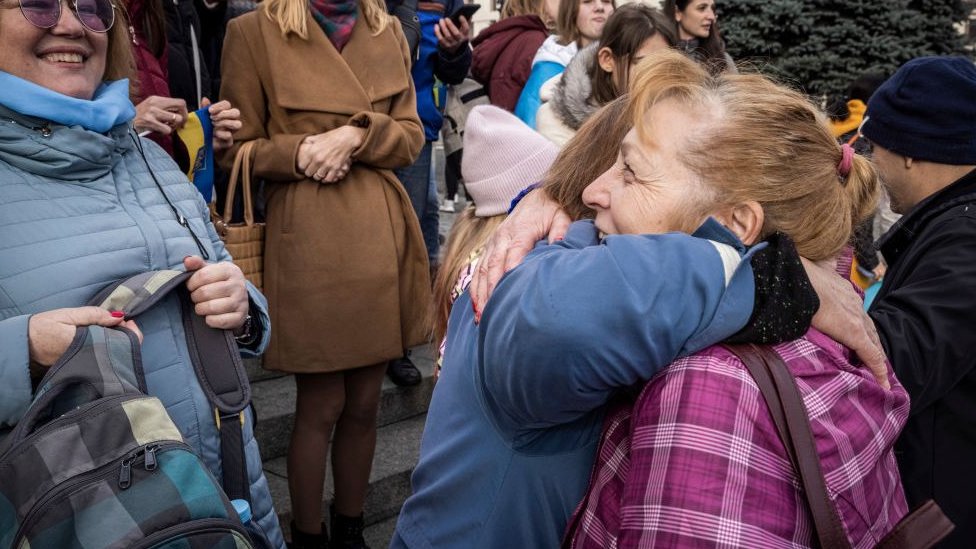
822, 45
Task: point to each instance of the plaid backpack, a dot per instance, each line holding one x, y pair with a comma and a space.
96, 463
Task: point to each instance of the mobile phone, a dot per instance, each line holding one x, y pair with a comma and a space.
466, 10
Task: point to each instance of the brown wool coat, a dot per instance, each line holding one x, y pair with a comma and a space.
345, 269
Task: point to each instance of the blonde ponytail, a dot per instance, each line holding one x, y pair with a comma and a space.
863, 189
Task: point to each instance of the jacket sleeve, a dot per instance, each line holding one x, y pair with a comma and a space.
572, 323
926, 323
392, 140
275, 158
530, 100
15, 383
451, 68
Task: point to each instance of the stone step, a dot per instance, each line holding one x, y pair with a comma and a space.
274, 402
256, 373
397, 450
378, 535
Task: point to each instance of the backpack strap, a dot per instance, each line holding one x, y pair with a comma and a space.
215, 358
406, 12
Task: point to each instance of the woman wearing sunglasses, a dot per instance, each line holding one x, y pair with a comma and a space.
84, 202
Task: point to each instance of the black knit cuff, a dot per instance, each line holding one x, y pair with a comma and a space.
785, 299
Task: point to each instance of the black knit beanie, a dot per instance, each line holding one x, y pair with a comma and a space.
927, 111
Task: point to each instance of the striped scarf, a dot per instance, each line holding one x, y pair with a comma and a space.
336, 17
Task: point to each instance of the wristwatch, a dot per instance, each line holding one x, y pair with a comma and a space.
248, 333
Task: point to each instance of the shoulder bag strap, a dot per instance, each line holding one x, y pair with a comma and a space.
406, 12
920, 529
215, 358
783, 399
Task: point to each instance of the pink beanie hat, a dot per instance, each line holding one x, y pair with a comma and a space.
501, 157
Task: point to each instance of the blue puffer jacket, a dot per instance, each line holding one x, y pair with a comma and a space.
78, 210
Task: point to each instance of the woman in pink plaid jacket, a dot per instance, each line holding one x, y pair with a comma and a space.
695, 460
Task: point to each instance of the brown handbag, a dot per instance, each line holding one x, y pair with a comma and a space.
920, 529
244, 241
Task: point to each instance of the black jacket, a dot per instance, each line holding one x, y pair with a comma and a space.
926, 315
185, 33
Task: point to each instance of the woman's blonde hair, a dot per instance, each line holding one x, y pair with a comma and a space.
468, 234
766, 143
515, 8
586, 156
292, 15
566, 27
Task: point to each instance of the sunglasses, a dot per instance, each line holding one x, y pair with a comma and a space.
95, 15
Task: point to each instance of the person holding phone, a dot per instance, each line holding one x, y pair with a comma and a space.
445, 55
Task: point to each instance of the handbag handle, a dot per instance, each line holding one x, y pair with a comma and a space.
98, 363
241, 171
920, 529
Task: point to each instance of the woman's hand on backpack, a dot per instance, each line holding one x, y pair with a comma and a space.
327, 157
218, 291
49, 334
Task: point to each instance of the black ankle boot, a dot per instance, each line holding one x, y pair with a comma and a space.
403, 372
301, 540
347, 532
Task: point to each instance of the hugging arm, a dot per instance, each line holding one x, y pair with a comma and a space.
576, 322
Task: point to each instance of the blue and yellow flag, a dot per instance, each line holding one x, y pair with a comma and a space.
197, 135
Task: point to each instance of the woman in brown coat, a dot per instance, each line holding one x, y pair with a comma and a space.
332, 109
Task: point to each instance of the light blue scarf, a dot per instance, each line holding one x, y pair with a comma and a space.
108, 108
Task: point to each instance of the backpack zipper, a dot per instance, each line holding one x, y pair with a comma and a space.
199, 526
125, 471
67, 417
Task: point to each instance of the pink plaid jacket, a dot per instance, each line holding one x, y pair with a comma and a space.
697, 461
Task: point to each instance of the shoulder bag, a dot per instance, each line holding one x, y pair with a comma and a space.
244, 241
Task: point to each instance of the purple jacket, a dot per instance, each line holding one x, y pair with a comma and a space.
697, 461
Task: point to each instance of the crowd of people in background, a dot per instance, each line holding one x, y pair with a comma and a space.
639, 207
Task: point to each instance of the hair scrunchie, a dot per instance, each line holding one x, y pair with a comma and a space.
846, 161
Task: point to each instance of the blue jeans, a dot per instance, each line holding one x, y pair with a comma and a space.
421, 186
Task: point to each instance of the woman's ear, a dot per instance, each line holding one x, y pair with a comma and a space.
605, 58
745, 220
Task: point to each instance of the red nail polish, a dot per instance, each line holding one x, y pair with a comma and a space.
118, 314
